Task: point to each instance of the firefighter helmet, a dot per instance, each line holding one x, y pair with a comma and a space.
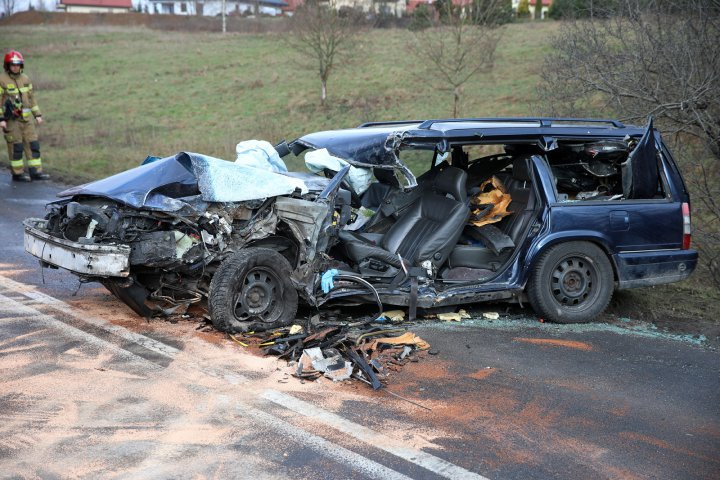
13, 57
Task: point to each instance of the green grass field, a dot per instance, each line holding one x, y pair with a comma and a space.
112, 96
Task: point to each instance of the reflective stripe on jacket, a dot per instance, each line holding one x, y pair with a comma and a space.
14, 87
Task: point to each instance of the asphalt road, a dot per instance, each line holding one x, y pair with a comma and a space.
89, 390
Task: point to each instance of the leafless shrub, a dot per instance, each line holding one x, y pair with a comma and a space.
322, 36
8, 6
651, 57
460, 44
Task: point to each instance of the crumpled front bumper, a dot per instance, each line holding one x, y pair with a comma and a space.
83, 259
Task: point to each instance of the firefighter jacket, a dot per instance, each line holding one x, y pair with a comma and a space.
17, 100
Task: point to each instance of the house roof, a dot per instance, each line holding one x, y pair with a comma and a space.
99, 3
275, 3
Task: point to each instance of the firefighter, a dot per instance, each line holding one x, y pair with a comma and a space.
18, 109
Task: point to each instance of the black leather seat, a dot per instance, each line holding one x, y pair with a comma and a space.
523, 201
519, 186
427, 230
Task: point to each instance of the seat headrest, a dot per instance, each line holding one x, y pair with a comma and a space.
522, 169
452, 180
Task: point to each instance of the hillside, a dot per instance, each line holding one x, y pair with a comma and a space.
112, 95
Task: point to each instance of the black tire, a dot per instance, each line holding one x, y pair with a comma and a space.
571, 283
252, 287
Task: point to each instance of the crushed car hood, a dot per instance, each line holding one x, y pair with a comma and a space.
191, 180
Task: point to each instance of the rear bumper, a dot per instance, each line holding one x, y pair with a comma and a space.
642, 269
88, 260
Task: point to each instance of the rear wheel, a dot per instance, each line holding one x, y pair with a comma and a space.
252, 287
571, 283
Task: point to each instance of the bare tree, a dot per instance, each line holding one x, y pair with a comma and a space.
650, 57
538, 10
460, 44
8, 7
319, 33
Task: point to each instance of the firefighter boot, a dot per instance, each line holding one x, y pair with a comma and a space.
20, 177
38, 175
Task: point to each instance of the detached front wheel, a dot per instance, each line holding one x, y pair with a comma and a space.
571, 283
252, 286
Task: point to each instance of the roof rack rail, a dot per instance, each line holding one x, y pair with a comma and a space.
544, 121
382, 124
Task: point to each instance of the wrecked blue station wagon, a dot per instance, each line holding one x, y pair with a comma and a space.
558, 213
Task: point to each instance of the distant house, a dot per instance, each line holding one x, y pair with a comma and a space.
413, 4
392, 7
212, 8
531, 6
95, 6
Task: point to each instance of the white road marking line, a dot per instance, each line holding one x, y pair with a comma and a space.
147, 342
425, 460
324, 447
378, 440
336, 452
31, 314
118, 331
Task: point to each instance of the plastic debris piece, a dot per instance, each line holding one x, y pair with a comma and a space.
407, 338
395, 316
491, 315
453, 316
366, 369
339, 374
295, 329
238, 341
321, 334
375, 363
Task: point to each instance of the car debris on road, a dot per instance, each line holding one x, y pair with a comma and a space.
367, 349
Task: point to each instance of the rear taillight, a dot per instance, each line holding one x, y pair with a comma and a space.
687, 230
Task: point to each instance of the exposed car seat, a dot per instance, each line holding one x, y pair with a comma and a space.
427, 230
519, 186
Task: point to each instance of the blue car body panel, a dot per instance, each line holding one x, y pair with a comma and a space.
643, 238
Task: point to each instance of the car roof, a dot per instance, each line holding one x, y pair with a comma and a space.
366, 143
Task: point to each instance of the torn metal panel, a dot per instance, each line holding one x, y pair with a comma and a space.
304, 219
357, 146
640, 176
